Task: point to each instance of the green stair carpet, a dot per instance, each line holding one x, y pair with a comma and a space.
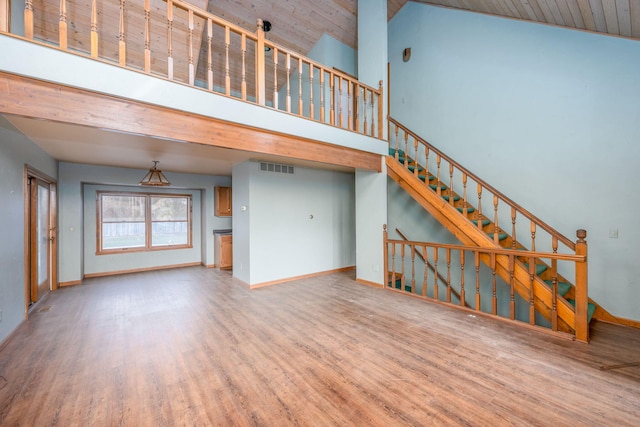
485, 222
540, 268
501, 236
455, 198
591, 308
563, 287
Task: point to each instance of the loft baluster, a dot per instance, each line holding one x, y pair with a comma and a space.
94, 26
209, 54
169, 40
243, 50
122, 45
62, 25
192, 71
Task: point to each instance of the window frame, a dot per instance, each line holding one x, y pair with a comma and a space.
148, 222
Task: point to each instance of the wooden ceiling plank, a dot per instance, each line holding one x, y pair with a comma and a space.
598, 15
634, 12
624, 17
576, 14
513, 11
499, 10
555, 12
537, 10
566, 13
611, 16
522, 11
587, 15
530, 12
544, 7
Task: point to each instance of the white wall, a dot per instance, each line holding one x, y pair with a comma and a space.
299, 223
371, 187
241, 176
547, 115
16, 151
75, 216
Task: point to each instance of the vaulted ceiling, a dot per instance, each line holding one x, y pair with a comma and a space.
298, 24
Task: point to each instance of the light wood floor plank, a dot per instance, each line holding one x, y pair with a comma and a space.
192, 346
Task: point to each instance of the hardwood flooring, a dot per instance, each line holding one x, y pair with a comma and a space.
193, 347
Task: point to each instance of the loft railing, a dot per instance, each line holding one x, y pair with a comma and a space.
471, 279
183, 43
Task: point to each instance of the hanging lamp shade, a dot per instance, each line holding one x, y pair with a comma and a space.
154, 177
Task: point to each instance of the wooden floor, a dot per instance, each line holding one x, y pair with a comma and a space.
193, 347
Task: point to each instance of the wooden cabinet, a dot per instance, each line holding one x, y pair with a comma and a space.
222, 201
224, 251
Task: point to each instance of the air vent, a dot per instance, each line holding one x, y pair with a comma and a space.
276, 168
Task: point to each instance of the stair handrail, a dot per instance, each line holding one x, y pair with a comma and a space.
330, 96
549, 229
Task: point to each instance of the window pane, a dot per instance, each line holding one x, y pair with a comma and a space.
123, 235
169, 233
118, 208
169, 208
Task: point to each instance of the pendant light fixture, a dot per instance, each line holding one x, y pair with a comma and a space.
154, 177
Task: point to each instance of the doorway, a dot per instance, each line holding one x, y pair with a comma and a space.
40, 237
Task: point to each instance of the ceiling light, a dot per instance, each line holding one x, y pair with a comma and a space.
154, 177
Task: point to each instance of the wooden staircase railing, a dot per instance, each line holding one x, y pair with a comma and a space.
183, 43
475, 272
442, 279
446, 189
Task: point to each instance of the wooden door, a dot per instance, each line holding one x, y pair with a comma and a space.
41, 238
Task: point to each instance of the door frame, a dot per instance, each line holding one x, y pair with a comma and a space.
30, 172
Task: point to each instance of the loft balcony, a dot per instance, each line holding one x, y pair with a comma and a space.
173, 71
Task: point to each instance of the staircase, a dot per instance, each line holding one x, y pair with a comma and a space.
454, 196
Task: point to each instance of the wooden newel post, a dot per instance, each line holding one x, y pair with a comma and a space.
260, 65
582, 296
385, 255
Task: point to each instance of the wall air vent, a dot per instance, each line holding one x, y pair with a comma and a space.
273, 167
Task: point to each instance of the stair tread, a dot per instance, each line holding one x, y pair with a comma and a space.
540, 268
423, 176
455, 198
469, 209
434, 187
501, 236
412, 168
591, 308
485, 222
563, 287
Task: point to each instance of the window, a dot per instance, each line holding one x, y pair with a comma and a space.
140, 222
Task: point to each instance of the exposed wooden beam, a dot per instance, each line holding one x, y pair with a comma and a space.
38, 99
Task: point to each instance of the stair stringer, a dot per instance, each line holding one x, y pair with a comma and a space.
468, 234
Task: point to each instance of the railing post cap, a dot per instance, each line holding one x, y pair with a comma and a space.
581, 234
